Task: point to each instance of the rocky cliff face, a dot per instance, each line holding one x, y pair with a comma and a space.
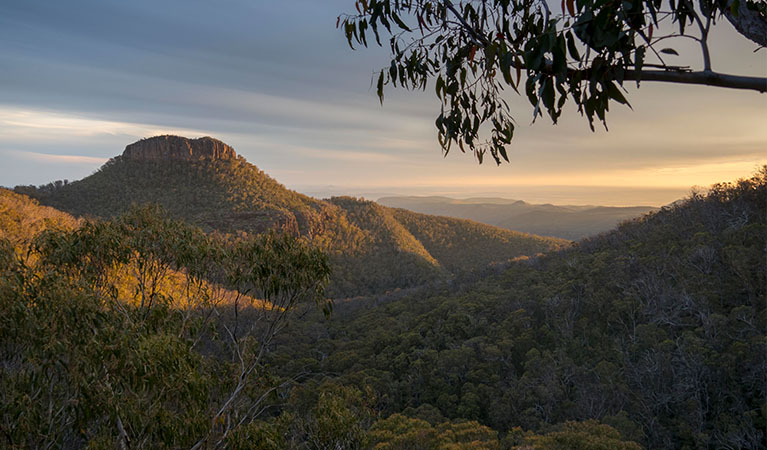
179, 148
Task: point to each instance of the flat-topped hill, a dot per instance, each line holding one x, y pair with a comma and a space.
178, 148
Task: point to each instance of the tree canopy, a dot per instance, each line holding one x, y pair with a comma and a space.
474, 50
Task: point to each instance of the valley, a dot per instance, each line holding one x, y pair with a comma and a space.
183, 285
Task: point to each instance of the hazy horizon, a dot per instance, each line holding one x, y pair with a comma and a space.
601, 195
556, 195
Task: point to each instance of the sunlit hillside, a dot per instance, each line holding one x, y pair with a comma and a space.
21, 218
650, 335
24, 223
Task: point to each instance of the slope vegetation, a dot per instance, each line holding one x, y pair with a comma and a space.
657, 329
21, 218
461, 245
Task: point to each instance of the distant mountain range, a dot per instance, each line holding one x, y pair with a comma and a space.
565, 221
373, 248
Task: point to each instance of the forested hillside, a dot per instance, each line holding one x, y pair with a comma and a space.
370, 250
143, 330
657, 329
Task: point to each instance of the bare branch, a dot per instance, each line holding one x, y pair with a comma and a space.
704, 78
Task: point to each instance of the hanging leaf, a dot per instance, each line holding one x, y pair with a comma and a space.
379, 87
669, 51
571, 47
615, 93
399, 22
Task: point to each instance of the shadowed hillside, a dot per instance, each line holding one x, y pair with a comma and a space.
204, 182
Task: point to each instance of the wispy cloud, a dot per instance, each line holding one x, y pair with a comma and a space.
56, 159
31, 123
77, 88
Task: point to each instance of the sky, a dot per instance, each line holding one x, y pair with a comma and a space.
81, 79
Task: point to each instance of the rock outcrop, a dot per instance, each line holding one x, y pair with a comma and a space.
179, 148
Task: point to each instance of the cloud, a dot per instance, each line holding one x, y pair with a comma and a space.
81, 79
22, 123
57, 159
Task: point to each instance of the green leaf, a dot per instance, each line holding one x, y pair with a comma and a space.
559, 57
734, 6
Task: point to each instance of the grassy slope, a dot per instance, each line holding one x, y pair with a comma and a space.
23, 218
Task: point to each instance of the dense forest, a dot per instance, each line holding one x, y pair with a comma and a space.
144, 331
656, 329
372, 248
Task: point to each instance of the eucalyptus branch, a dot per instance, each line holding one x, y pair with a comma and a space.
703, 36
552, 56
479, 38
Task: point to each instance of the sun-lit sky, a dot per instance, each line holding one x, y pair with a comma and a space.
81, 79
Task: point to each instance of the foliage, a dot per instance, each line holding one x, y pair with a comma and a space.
143, 331
656, 329
398, 432
22, 217
473, 50
462, 245
84, 366
587, 435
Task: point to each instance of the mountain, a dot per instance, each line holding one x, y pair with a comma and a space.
650, 335
206, 183
563, 221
